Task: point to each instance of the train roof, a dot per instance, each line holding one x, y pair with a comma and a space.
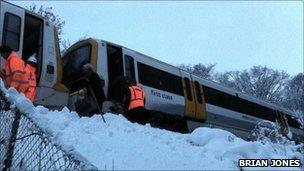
205, 81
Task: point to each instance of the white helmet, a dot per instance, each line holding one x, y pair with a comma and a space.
32, 59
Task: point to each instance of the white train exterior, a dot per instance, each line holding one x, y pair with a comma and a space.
174, 92
28, 33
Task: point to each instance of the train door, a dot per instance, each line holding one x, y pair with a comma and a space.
281, 119
32, 40
115, 66
188, 95
11, 27
200, 105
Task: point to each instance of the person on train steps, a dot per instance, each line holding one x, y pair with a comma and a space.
30, 68
13, 73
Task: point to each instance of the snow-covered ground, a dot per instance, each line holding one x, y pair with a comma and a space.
121, 145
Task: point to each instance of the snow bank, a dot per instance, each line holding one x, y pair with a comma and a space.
121, 145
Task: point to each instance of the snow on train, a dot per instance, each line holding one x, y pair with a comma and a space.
173, 93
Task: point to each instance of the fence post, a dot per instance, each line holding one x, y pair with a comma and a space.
12, 140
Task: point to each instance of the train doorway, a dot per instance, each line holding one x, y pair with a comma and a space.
115, 62
32, 40
115, 67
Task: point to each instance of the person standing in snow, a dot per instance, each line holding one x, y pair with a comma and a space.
13, 73
135, 103
30, 68
94, 85
117, 90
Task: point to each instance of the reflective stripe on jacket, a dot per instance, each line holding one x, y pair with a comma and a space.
137, 97
14, 73
31, 74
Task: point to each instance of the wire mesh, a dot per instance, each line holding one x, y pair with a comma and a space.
6, 120
24, 146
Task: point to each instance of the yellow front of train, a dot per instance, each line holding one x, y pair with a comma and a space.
79, 54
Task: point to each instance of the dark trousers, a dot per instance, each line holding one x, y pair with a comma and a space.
138, 114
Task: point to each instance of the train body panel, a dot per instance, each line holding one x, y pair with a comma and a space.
163, 101
102, 67
156, 99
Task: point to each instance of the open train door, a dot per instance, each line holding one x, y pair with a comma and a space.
188, 94
11, 24
115, 66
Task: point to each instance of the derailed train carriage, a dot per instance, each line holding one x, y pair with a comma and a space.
172, 94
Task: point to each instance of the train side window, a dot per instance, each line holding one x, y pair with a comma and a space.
129, 65
188, 89
221, 99
198, 92
292, 122
159, 79
212, 96
11, 31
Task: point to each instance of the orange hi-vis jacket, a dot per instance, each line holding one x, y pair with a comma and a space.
137, 97
31, 75
14, 73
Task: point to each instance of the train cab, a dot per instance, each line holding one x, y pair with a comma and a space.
109, 61
28, 34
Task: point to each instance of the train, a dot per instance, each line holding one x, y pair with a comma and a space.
172, 94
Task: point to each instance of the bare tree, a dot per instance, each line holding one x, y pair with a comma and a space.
48, 14
65, 44
204, 71
259, 81
294, 93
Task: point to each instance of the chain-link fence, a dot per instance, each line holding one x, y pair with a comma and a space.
24, 146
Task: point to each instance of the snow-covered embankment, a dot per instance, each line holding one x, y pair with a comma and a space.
119, 144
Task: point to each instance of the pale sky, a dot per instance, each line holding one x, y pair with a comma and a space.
235, 35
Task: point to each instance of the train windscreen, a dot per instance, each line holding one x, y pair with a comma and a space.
73, 62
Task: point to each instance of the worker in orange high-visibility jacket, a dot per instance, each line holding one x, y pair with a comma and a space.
30, 69
135, 101
13, 72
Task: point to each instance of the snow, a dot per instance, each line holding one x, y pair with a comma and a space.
121, 145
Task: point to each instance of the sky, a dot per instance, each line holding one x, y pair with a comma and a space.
233, 34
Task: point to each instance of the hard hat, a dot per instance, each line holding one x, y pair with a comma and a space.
32, 59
